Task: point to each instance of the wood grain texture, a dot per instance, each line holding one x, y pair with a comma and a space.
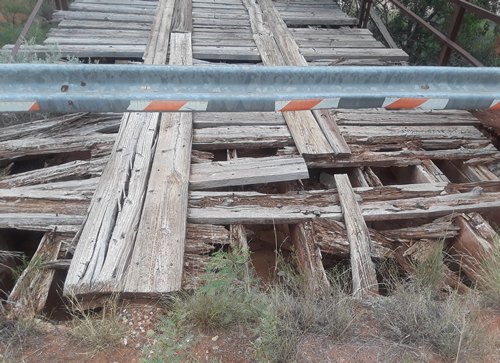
364, 278
156, 265
245, 171
29, 295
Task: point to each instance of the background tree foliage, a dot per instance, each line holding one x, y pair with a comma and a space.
13, 15
477, 36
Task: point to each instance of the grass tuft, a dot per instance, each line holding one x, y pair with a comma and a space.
293, 315
491, 275
413, 316
231, 296
97, 331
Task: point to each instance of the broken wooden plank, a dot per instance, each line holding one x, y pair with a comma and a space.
245, 171
309, 258
74, 169
29, 295
364, 278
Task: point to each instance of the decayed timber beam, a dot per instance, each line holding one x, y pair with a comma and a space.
364, 278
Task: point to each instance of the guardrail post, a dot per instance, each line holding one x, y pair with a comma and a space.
458, 16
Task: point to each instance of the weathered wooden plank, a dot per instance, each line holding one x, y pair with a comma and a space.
277, 209
116, 205
183, 16
84, 51
156, 263
94, 16
105, 25
96, 41
364, 278
218, 119
41, 222
115, 9
245, 171
12, 149
242, 137
29, 295
388, 54
304, 128
157, 50
309, 257
403, 118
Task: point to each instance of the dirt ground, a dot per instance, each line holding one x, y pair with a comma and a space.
54, 343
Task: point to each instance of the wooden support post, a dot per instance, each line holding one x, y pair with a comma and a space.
237, 231
458, 16
308, 257
364, 278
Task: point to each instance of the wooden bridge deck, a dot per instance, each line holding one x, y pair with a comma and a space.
221, 32
139, 201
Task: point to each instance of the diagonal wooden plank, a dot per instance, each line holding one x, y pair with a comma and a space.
364, 278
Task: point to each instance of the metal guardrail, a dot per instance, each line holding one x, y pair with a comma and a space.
143, 88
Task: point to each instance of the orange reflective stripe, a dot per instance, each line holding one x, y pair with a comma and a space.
407, 103
298, 105
35, 107
165, 105
496, 107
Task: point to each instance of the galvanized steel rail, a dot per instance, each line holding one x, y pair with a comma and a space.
121, 88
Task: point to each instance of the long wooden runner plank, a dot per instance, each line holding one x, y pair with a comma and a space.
157, 261
307, 131
108, 235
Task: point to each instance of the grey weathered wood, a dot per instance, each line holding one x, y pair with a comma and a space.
12, 149
29, 295
106, 25
118, 199
92, 16
41, 222
245, 171
107, 239
156, 264
255, 209
228, 119
364, 278
182, 19
73, 169
302, 125
105, 8
382, 28
157, 50
84, 51
308, 257
246, 137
